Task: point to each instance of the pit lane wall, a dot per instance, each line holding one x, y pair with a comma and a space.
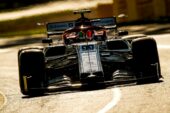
136, 10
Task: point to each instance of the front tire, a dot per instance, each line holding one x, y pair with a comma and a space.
146, 59
31, 63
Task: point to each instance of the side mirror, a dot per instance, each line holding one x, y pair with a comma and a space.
122, 33
47, 40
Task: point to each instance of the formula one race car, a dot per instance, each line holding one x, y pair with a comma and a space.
92, 51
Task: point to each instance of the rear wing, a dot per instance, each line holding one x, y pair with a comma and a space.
108, 23
57, 28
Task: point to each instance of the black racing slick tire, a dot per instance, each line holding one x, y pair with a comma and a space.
31, 64
146, 60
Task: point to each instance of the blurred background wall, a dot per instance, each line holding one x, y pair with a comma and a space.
137, 10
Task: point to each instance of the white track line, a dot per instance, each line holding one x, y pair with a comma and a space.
5, 50
114, 101
164, 46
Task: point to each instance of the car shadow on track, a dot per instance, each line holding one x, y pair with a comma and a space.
89, 89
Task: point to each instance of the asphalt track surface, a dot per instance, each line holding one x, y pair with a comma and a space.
146, 98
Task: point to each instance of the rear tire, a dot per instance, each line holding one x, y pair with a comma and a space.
146, 59
31, 63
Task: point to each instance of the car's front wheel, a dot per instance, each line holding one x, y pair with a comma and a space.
31, 63
146, 60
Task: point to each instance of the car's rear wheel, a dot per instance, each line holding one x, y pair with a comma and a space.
146, 60
31, 64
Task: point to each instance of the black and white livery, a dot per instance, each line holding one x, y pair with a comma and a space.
89, 52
